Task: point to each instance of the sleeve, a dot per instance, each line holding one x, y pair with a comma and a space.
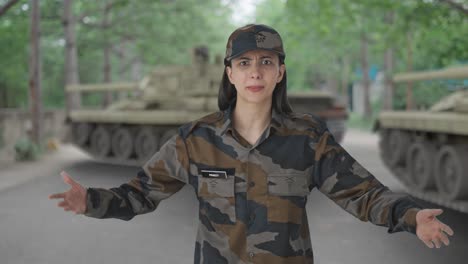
163, 175
342, 179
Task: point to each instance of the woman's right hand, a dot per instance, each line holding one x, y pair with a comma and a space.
73, 199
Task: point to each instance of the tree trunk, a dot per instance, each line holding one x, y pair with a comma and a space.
137, 70
345, 73
389, 88
7, 6
459, 6
409, 88
73, 100
365, 74
35, 98
107, 100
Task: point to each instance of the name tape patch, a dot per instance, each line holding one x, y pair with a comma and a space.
214, 174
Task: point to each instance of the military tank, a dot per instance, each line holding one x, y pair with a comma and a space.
324, 105
130, 130
428, 150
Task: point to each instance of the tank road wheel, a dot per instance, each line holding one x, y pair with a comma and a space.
419, 161
80, 133
451, 178
146, 143
101, 141
167, 135
122, 143
396, 146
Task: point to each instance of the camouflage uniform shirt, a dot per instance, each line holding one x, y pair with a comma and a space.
252, 198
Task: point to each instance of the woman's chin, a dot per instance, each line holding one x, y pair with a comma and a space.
256, 100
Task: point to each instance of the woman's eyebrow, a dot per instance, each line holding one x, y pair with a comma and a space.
248, 58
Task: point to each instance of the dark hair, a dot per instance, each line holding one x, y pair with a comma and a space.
227, 95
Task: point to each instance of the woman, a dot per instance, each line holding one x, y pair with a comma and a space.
252, 165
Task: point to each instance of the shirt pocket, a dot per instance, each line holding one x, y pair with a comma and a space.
215, 182
291, 184
216, 196
287, 197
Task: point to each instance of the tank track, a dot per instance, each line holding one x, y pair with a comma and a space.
431, 195
120, 144
431, 166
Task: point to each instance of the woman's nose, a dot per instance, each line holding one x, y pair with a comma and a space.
255, 71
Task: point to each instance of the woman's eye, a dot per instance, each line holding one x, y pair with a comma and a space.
243, 63
266, 62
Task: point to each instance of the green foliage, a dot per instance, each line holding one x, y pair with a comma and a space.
360, 122
357, 121
319, 36
26, 150
152, 32
425, 94
13, 53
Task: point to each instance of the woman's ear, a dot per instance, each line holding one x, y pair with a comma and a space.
281, 69
229, 73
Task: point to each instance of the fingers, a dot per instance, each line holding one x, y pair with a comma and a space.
436, 212
67, 179
66, 207
428, 243
445, 228
436, 242
57, 196
444, 239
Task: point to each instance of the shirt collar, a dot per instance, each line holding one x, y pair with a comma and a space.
276, 120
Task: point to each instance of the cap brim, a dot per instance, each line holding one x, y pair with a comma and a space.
246, 50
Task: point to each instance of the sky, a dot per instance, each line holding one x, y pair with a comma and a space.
246, 11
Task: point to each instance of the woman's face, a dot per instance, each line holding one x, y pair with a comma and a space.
255, 75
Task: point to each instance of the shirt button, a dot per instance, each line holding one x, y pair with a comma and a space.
252, 217
251, 254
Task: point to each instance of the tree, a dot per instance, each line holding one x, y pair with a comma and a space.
7, 6
71, 55
35, 98
460, 5
321, 35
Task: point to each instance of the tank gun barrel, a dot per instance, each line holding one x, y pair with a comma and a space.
102, 87
459, 72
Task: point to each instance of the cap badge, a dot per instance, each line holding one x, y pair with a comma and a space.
259, 37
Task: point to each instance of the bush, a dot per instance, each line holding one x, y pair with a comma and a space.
25, 150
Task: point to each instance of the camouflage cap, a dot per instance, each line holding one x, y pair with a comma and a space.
252, 37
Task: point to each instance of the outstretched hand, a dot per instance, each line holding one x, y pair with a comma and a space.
74, 199
430, 230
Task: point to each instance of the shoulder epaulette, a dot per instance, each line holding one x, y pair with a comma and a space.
308, 119
208, 119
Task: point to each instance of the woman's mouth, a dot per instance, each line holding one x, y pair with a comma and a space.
255, 88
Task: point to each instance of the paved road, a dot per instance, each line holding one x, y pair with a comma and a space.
33, 230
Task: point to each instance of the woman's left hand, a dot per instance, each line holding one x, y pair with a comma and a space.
430, 230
